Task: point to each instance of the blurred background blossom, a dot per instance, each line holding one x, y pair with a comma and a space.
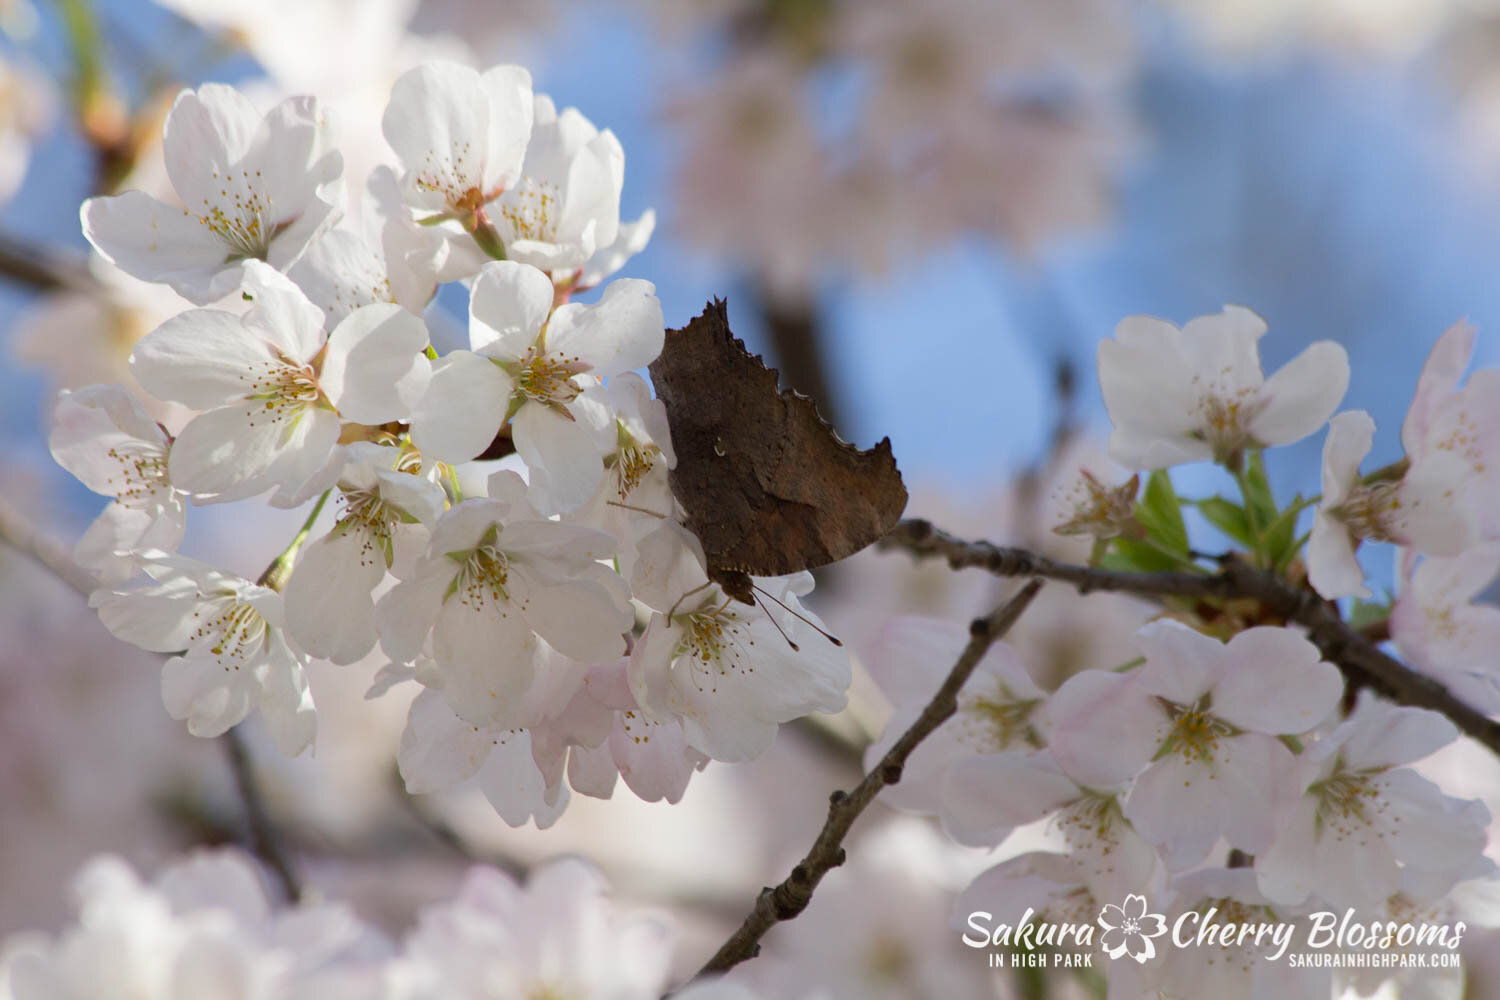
927, 215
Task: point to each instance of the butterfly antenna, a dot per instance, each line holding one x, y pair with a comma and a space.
702, 586
772, 618
799, 616
638, 510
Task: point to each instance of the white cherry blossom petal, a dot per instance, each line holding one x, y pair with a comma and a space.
462, 409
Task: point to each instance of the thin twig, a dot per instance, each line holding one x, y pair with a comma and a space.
264, 841
1360, 660
45, 269
53, 556
791, 897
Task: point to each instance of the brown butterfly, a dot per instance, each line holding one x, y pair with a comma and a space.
765, 483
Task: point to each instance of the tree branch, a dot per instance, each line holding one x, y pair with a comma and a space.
41, 268
791, 897
1361, 661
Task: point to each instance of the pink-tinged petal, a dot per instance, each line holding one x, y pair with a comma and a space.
286, 705
1382, 735
569, 450
622, 332
1182, 664
200, 358
463, 407
151, 240
195, 690
205, 135
1256, 783
1457, 580
1148, 390
1301, 397
507, 307
650, 668
282, 316
1276, 682
1434, 832
1286, 872
404, 615
1332, 567
653, 758
486, 653
985, 797
1349, 438
375, 370
1174, 805
1434, 511
592, 772
1104, 727
329, 611
438, 749
1353, 870
1440, 374
515, 786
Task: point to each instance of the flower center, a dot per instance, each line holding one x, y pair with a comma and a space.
1194, 731
1224, 421
530, 209
710, 641
483, 573
998, 721
242, 218
548, 378
366, 512
234, 632
1368, 510
630, 462
1345, 801
142, 476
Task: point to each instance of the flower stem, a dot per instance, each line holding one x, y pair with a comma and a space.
280, 570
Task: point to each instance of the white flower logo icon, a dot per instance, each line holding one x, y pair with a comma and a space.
1129, 929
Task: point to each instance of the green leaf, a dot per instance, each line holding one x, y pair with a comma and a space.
1136, 557
1227, 517
1279, 538
1365, 613
1160, 512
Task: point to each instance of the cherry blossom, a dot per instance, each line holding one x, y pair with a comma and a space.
234, 655
558, 936
103, 435
253, 188
203, 928
386, 509
1441, 630
275, 385
1198, 393
1428, 507
1362, 817
1450, 423
566, 207
461, 137
998, 710
1201, 717
497, 579
729, 675
531, 369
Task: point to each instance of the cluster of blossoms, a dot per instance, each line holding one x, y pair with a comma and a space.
204, 928
560, 623
1221, 767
